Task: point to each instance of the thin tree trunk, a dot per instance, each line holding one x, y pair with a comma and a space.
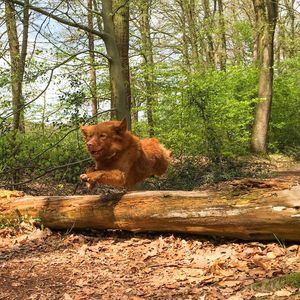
93, 77
185, 39
147, 53
223, 52
208, 22
17, 58
266, 12
189, 11
291, 14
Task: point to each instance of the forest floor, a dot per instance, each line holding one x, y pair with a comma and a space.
45, 264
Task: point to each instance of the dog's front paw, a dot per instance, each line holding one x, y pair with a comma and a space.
88, 181
84, 177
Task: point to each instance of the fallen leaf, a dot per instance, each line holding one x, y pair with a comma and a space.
39, 234
293, 248
258, 260
16, 284
271, 255
82, 250
259, 295
229, 283
236, 297
171, 286
150, 253
282, 293
67, 297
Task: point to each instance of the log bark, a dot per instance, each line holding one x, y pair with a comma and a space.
256, 215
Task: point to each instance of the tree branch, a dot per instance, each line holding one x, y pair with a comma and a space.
49, 81
101, 34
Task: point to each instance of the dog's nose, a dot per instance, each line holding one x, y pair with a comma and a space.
90, 146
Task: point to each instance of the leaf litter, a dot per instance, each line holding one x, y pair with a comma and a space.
41, 264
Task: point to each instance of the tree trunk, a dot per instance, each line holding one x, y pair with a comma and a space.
121, 29
147, 53
208, 25
257, 215
93, 78
118, 91
223, 52
185, 39
266, 15
17, 58
290, 6
189, 14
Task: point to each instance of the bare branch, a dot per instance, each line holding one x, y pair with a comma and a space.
101, 34
47, 172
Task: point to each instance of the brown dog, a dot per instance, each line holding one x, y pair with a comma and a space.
121, 158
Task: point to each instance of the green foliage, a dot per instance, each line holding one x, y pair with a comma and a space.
206, 114
38, 152
285, 124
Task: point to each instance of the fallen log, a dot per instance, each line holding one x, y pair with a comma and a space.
255, 215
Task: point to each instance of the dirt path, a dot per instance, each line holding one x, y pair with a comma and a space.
39, 264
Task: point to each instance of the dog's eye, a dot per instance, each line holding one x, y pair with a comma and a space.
102, 135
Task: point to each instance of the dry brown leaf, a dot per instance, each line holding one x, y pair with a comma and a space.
259, 261
278, 251
67, 297
257, 272
82, 250
171, 286
259, 295
229, 283
282, 293
199, 262
80, 282
236, 297
151, 253
271, 255
16, 284
39, 234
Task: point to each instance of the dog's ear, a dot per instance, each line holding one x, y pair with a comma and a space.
84, 130
122, 127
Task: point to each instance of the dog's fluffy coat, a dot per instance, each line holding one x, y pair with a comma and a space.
121, 158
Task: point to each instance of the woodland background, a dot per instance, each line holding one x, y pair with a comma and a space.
215, 81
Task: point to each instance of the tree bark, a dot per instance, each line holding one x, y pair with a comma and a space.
118, 90
257, 215
189, 11
121, 29
17, 59
147, 53
223, 51
93, 77
184, 47
266, 16
208, 24
290, 7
